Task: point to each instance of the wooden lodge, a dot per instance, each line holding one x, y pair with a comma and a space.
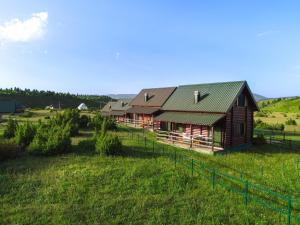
203, 117
117, 110
210, 117
146, 105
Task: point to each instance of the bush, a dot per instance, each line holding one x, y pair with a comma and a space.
291, 122
69, 117
47, 117
8, 149
86, 145
96, 122
25, 134
108, 145
259, 140
262, 114
10, 129
84, 121
50, 140
26, 114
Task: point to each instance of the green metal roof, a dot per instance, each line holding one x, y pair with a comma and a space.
214, 97
205, 119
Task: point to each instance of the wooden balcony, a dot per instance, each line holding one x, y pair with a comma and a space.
194, 142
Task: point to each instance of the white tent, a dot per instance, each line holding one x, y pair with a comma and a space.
82, 106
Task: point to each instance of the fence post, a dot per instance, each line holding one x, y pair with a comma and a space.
289, 210
131, 134
138, 137
213, 178
246, 192
145, 140
192, 167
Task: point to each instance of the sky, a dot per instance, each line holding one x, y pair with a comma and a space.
114, 47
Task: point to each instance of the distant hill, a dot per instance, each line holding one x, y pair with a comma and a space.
259, 97
41, 99
289, 104
122, 96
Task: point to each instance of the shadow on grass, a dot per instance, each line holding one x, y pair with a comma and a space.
141, 152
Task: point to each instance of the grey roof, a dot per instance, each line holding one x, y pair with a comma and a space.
157, 97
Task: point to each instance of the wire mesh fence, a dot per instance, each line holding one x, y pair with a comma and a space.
251, 192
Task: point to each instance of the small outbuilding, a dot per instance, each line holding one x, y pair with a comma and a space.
82, 106
10, 106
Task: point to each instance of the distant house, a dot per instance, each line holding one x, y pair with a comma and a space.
10, 106
118, 109
82, 106
146, 105
214, 116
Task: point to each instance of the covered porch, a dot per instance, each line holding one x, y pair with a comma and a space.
201, 132
142, 117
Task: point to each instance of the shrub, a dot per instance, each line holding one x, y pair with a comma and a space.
108, 145
262, 114
8, 149
111, 124
291, 122
69, 117
84, 121
87, 145
26, 114
10, 129
25, 134
50, 140
47, 117
259, 140
96, 122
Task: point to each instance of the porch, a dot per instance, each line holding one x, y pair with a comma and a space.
201, 132
199, 143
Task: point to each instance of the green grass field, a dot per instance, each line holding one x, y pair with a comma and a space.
139, 187
289, 105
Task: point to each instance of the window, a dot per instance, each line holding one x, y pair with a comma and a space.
241, 100
239, 130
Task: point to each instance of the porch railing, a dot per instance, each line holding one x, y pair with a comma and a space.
194, 141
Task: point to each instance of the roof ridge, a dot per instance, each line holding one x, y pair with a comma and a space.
225, 82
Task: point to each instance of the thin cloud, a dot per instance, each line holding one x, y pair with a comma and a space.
266, 33
28, 30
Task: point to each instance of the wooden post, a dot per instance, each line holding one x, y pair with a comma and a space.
191, 136
213, 138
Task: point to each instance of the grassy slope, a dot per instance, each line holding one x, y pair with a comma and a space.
88, 189
83, 188
281, 111
285, 105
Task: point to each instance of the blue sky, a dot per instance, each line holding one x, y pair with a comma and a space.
102, 47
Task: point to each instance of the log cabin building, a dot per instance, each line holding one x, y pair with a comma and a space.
117, 110
146, 105
214, 116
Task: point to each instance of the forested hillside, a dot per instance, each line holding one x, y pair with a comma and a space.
41, 99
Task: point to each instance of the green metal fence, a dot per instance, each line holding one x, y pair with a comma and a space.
250, 191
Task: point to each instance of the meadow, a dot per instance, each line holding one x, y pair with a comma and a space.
140, 187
